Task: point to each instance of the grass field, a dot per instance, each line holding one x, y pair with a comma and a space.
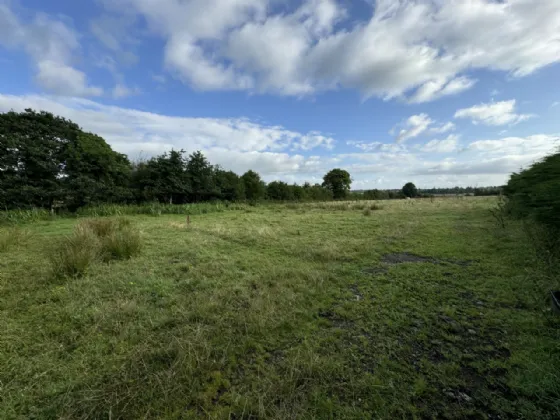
340, 310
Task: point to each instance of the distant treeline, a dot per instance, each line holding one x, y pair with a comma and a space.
431, 192
50, 162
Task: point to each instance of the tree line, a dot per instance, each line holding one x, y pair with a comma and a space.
47, 161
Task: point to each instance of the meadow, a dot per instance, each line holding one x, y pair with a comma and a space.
382, 310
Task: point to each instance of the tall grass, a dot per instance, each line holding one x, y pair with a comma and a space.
12, 217
94, 240
158, 209
12, 236
73, 255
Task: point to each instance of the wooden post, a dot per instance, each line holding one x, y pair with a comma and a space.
188, 220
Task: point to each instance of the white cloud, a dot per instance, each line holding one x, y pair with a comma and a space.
378, 146
447, 145
414, 126
444, 128
419, 50
419, 124
435, 89
122, 91
554, 104
234, 143
51, 44
496, 113
531, 146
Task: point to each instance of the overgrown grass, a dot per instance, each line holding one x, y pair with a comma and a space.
424, 310
11, 237
74, 254
12, 217
91, 241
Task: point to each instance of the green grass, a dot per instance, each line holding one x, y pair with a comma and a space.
286, 312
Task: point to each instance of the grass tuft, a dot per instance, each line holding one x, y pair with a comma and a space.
74, 254
367, 212
121, 244
10, 237
94, 240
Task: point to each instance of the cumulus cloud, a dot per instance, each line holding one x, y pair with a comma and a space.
418, 50
51, 44
496, 113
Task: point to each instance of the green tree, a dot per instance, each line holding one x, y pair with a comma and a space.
410, 190
278, 190
201, 177
254, 187
230, 185
46, 159
337, 181
163, 178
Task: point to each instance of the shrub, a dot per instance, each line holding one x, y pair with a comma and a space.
367, 212
75, 253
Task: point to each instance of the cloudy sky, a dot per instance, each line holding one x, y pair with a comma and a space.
438, 92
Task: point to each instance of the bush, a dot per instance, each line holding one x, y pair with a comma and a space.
367, 212
75, 253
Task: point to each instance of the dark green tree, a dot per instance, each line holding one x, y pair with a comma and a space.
254, 187
410, 190
47, 160
163, 178
231, 187
201, 177
337, 181
278, 190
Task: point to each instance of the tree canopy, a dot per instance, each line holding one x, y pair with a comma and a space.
410, 190
337, 181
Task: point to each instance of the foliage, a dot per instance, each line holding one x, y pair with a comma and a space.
47, 160
337, 181
255, 188
535, 192
410, 190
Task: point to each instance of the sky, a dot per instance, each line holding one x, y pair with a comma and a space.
437, 92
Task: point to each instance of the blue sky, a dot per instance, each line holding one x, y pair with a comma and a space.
441, 93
